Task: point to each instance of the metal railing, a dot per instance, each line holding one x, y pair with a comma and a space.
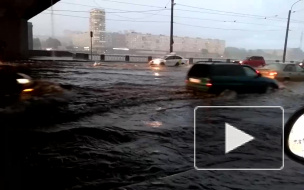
129, 58
113, 58
139, 59
145, 59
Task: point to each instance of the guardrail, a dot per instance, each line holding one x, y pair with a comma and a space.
124, 58
145, 59
120, 58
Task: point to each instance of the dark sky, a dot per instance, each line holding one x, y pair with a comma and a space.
241, 23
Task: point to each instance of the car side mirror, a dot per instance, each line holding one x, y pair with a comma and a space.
294, 136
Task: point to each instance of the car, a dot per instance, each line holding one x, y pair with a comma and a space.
236, 61
14, 83
283, 72
169, 60
214, 78
254, 61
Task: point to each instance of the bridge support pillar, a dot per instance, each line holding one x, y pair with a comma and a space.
13, 38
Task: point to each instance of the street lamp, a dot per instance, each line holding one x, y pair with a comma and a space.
287, 31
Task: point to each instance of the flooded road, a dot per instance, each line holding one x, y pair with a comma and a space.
124, 126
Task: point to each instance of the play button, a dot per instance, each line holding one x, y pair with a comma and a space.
238, 138
235, 138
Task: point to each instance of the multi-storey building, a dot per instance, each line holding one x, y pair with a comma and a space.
141, 41
98, 27
115, 40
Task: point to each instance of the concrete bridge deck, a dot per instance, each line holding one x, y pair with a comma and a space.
14, 15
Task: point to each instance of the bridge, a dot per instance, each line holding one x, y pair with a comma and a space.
14, 15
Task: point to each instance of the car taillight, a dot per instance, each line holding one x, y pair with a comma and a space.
209, 83
273, 73
257, 71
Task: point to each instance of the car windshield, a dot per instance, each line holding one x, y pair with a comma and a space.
149, 94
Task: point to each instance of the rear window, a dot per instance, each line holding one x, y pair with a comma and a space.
199, 71
257, 58
227, 70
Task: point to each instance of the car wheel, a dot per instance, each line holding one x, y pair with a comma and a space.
177, 64
162, 64
226, 92
286, 79
270, 89
218, 92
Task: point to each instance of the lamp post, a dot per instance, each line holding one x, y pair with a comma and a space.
171, 26
287, 31
52, 27
91, 35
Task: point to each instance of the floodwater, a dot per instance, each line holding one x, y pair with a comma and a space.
124, 126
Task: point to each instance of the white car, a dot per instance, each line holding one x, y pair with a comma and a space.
169, 60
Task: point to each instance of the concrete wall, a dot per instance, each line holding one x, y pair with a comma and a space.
30, 36
14, 38
44, 53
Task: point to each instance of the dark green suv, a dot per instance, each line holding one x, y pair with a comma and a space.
217, 77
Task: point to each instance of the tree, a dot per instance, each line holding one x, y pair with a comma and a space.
36, 44
53, 43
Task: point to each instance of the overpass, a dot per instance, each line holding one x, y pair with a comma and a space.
14, 15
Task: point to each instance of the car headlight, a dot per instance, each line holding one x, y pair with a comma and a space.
157, 62
23, 81
194, 80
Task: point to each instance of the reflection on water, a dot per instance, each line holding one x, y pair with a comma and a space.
96, 64
155, 68
155, 124
296, 137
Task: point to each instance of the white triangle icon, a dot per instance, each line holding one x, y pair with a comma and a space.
235, 138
